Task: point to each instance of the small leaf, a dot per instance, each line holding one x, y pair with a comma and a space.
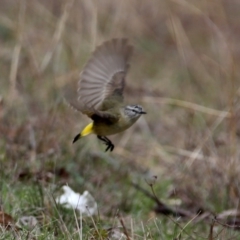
6, 220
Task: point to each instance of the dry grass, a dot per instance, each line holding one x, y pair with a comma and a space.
184, 72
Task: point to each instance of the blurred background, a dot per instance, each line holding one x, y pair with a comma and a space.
184, 72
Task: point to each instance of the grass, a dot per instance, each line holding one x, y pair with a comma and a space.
184, 72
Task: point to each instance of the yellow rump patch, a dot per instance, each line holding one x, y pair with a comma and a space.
87, 130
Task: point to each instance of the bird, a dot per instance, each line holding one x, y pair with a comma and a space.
100, 92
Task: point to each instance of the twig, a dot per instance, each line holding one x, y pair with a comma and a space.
57, 35
189, 105
123, 226
163, 208
17, 51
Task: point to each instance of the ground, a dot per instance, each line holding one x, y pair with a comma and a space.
183, 155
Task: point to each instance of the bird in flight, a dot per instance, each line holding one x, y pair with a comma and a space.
100, 92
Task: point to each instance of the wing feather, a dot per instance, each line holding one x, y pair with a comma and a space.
103, 77
70, 97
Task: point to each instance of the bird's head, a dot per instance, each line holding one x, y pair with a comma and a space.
134, 111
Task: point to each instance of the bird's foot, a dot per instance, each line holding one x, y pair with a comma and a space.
107, 142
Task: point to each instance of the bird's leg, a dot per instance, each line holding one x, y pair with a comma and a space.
109, 144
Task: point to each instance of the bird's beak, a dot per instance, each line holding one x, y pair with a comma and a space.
142, 112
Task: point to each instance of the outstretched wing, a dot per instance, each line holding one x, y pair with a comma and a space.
70, 97
102, 79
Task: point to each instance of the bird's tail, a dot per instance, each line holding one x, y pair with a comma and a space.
87, 130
